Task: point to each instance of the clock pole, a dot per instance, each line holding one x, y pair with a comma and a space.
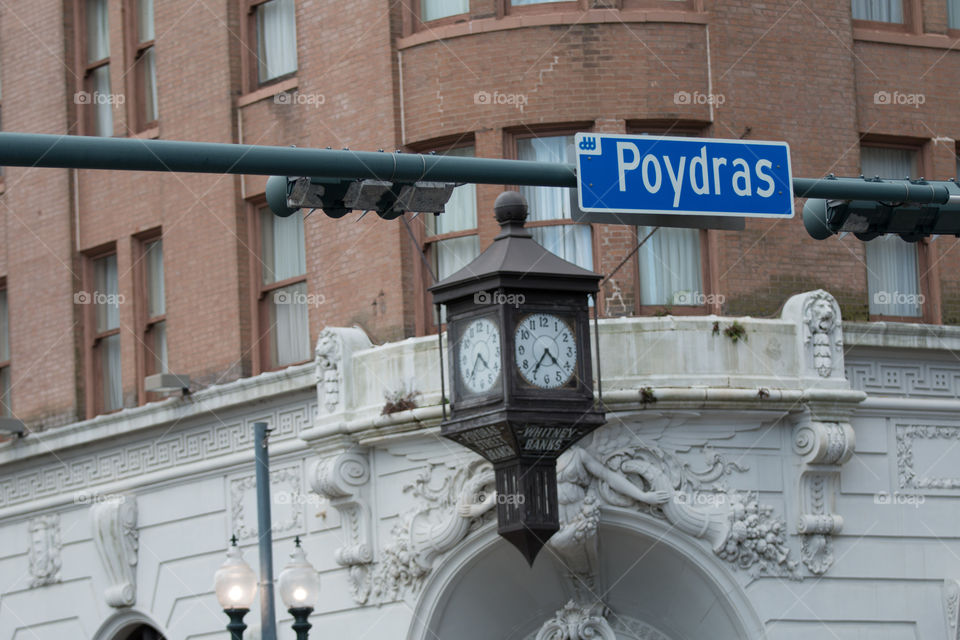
521, 377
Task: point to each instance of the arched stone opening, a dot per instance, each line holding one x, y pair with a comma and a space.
654, 583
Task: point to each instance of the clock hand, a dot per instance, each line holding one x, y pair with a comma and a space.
539, 362
475, 363
481, 359
547, 352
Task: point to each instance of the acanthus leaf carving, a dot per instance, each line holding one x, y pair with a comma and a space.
116, 537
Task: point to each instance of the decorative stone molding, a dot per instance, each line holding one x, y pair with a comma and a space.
443, 517
908, 379
908, 475
45, 548
334, 350
578, 622
819, 335
287, 506
116, 537
824, 446
951, 607
344, 479
174, 450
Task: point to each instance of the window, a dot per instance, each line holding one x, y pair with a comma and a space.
1, 117
436, 9
5, 402
97, 99
274, 28
141, 28
878, 10
451, 241
283, 300
517, 3
550, 206
153, 338
892, 264
104, 299
953, 14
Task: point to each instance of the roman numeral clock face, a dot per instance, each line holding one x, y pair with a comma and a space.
479, 355
545, 350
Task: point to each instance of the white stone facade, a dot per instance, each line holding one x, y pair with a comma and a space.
807, 476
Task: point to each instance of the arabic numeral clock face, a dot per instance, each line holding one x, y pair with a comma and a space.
479, 355
545, 350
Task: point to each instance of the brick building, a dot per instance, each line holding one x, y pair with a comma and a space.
813, 462
184, 265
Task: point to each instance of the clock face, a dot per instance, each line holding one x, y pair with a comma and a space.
545, 350
479, 355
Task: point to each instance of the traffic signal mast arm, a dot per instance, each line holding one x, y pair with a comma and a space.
342, 180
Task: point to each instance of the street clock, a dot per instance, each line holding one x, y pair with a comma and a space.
520, 367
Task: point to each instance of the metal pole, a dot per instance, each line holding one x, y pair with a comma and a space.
133, 154
268, 623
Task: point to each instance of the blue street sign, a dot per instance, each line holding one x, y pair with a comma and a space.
686, 176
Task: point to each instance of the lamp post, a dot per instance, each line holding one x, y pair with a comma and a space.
299, 589
235, 584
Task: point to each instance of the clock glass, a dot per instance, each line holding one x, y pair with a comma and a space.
479, 357
545, 350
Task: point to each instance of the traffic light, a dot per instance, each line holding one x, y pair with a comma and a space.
921, 208
337, 197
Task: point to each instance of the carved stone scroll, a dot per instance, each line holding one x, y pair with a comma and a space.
117, 540
344, 480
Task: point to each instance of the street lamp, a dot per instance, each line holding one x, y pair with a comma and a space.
299, 588
235, 584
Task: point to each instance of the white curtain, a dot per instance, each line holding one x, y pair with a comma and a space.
148, 67
670, 272
953, 13
290, 318
284, 254
105, 292
158, 332
277, 38
892, 279
110, 361
454, 254
98, 30
571, 242
145, 30
434, 9
102, 109
4, 327
5, 391
156, 304
878, 10
460, 213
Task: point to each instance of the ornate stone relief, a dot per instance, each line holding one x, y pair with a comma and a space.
590, 622
615, 470
445, 516
344, 480
951, 607
823, 446
907, 379
577, 622
821, 337
45, 548
287, 502
909, 476
116, 537
335, 346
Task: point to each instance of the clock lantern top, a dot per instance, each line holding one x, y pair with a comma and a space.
520, 367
